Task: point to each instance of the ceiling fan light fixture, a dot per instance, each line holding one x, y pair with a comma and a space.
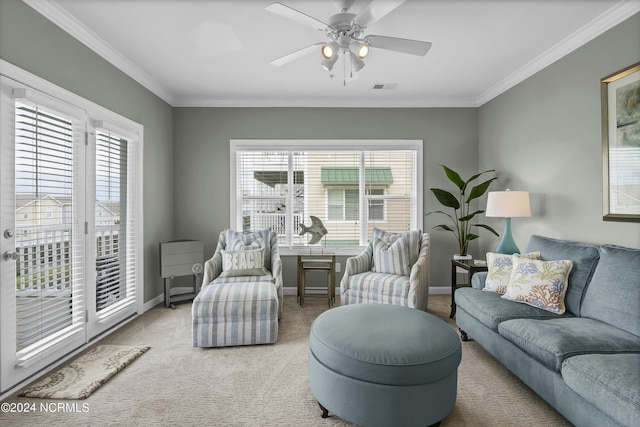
362, 50
329, 63
356, 63
330, 50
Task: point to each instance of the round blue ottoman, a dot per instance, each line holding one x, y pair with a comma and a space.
383, 365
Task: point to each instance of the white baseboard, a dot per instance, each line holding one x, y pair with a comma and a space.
152, 303
160, 298
439, 290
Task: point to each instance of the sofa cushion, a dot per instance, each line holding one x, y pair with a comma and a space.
552, 341
613, 296
584, 257
267, 277
538, 283
500, 266
490, 309
607, 381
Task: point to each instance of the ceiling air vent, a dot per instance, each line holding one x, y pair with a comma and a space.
384, 86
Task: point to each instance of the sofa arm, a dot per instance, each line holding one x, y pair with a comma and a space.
212, 269
419, 284
356, 265
276, 272
478, 279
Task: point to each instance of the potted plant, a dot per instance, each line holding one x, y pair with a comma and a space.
460, 203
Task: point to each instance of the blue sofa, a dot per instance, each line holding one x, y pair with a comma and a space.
586, 362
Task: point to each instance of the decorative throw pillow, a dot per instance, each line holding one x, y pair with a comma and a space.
243, 263
247, 238
413, 237
499, 266
391, 258
541, 284
239, 245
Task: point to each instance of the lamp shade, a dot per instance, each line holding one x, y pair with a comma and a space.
508, 204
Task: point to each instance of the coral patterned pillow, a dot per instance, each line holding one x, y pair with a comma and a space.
542, 284
499, 266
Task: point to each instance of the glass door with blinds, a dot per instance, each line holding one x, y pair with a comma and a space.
70, 216
113, 253
43, 237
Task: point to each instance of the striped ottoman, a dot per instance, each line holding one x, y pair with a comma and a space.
235, 313
384, 365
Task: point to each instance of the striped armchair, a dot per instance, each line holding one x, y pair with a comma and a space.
239, 310
363, 282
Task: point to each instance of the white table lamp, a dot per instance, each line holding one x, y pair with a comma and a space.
508, 204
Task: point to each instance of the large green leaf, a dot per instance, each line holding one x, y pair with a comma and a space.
446, 198
472, 236
444, 227
480, 189
487, 228
454, 177
470, 216
474, 177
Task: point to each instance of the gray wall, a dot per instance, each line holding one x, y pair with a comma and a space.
31, 42
202, 159
544, 136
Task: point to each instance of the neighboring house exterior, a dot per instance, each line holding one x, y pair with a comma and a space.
326, 185
50, 211
43, 211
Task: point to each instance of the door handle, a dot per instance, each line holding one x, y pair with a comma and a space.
10, 256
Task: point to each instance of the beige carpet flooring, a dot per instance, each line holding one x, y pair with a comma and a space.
174, 384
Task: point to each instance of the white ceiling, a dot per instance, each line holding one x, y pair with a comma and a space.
217, 53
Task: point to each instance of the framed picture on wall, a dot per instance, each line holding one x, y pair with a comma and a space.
620, 94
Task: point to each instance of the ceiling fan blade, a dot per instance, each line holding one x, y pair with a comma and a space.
295, 15
375, 10
413, 47
295, 55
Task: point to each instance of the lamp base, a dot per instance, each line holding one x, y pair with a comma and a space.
507, 245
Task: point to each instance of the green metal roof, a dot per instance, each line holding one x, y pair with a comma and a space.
349, 175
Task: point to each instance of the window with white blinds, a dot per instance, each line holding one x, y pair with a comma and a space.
49, 264
349, 186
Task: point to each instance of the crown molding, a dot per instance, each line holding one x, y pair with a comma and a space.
55, 13
51, 10
609, 19
448, 102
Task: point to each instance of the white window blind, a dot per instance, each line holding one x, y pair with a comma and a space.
350, 186
115, 232
49, 275
624, 175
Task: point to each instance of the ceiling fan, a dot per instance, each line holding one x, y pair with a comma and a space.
344, 32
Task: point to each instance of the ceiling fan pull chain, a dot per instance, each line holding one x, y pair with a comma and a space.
344, 70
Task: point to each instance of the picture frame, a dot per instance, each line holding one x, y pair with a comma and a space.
620, 98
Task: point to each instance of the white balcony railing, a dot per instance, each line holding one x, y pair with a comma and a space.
276, 221
44, 261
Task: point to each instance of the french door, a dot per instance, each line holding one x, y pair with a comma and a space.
67, 218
